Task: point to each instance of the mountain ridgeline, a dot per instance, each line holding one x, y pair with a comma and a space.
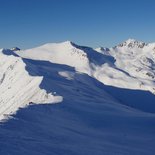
67, 99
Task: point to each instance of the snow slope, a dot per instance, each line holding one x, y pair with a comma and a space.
61, 53
91, 118
18, 88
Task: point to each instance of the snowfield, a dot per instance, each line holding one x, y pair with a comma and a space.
105, 100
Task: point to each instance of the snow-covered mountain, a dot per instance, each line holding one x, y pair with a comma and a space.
131, 64
135, 64
105, 99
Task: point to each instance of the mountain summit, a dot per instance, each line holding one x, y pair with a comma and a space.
132, 43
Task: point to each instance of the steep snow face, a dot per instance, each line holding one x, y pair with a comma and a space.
61, 53
18, 88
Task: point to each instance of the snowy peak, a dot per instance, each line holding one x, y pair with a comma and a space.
132, 43
61, 53
64, 44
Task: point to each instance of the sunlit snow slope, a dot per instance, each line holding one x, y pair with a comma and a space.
17, 87
104, 103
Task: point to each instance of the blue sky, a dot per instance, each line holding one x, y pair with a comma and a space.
29, 23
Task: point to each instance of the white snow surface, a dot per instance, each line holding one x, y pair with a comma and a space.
61, 53
18, 88
107, 105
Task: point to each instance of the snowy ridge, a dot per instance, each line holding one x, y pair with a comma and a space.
92, 118
128, 65
18, 88
61, 53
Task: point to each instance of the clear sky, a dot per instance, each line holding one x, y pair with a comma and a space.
29, 23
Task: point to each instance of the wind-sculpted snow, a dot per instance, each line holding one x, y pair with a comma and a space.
18, 88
